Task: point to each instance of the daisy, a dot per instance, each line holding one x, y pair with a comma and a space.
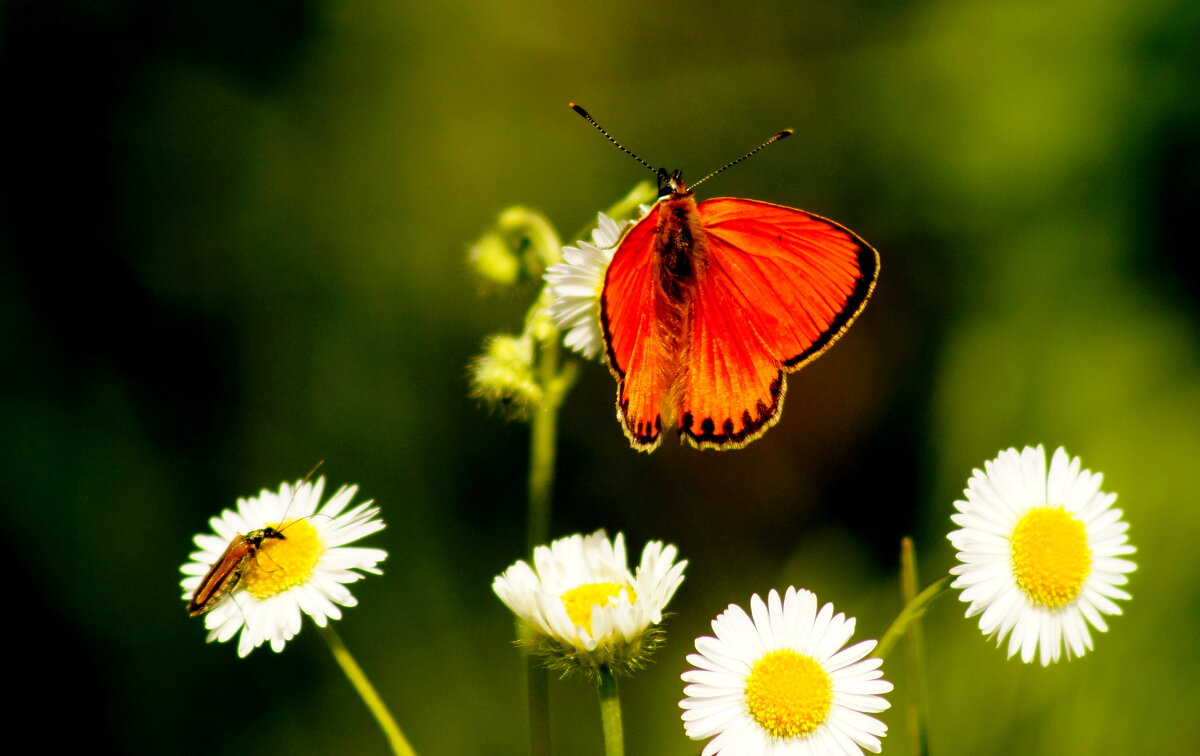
1040, 553
590, 610
575, 285
778, 681
293, 558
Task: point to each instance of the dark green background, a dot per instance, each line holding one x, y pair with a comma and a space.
233, 243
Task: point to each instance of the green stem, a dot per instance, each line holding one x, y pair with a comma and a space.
541, 484
367, 692
537, 686
543, 444
914, 655
543, 440
610, 713
547, 243
913, 610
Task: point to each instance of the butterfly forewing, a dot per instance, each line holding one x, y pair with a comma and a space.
801, 278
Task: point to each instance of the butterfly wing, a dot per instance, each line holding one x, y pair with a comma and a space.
778, 287
629, 316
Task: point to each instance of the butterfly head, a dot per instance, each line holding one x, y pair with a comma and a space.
671, 184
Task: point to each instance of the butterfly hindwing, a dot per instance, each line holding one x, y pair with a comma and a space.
732, 387
777, 287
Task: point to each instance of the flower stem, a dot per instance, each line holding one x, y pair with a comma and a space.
367, 692
543, 439
610, 713
914, 655
543, 446
537, 685
910, 613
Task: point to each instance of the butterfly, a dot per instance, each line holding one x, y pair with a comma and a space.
707, 305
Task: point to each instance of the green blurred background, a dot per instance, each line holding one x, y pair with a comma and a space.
233, 243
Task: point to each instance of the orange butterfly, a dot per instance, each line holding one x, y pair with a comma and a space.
706, 305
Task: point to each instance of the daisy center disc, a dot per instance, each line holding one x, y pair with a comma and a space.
788, 694
283, 563
1050, 556
580, 600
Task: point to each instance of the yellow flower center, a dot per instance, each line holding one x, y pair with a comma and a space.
283, 563
788, 694
1050, 555
580, 600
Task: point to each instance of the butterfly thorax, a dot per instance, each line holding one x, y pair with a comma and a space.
680, 245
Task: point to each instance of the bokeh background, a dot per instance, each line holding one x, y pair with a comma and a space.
233, 243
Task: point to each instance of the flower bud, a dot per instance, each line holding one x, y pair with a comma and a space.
503, 375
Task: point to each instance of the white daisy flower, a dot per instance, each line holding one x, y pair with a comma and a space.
575, 285
1040, 553
778, 682
582, 599
276, 556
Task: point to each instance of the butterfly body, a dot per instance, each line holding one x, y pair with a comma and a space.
707, 305
225, 574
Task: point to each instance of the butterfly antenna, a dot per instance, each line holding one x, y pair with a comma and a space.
781, 135
607, 136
